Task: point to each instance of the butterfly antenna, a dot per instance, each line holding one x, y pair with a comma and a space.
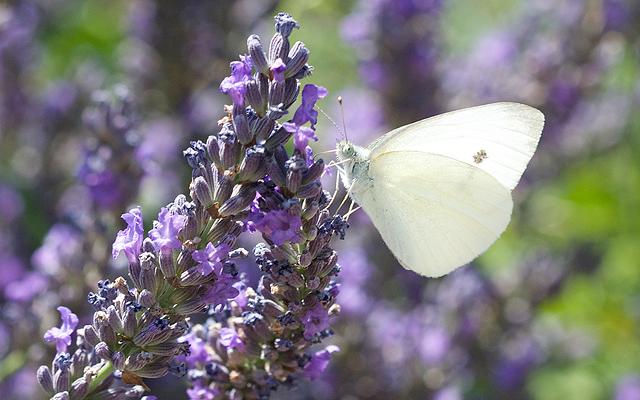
340, 131
344, 125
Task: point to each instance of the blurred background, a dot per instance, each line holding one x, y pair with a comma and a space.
98, 99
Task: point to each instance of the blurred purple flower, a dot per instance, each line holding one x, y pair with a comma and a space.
60, 249
200, 392
628, 388
62, 336
198, 353
210, 258
319, 362
235, 84
27, 288
434, 344
229, 338
164, 234
130, 239
11, 269
11, 205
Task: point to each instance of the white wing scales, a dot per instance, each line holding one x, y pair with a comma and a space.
507, 132
436, 205
434, 213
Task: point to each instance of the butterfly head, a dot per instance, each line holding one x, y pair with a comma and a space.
345, 150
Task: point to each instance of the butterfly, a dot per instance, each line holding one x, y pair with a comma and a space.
439, 190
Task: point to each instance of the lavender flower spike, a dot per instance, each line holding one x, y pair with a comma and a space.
129, 240
62, 336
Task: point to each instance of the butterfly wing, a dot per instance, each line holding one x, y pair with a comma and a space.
498, 138
435, 213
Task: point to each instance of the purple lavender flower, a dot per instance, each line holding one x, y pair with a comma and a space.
315, 320
166, 229
305, 113
221, 291
200, 392
319, 362
211, 258
198, 353
236, 84
229, 338
130, 239
280, 226
277, 68
62, 336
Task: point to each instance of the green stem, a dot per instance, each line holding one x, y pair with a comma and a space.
103, 373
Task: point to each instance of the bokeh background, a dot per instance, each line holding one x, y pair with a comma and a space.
98, 99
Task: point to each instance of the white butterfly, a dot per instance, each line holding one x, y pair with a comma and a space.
439, 190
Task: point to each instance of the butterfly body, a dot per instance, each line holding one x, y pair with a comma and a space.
439, 190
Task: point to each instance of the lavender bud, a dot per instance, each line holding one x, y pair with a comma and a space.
153, 371
166, 264
298, 57
263, 128
263, 86
314, 172
295, 280
242, 129
45, 379
148, 280
62, 380
193, 277
106, 333
253, 165
285, 24
146, 299
310, 190
90, 335
256, 101
229, 147
277, 112
276, 173
256, 52
137, 360
278, 138
118, 360
129, 322
164, 349
213, 149
305, 259
114, 319
79, 389
291, 90
276, 93
239, 201
278, 48
61, 396
134, 272
102, 350
202, 192
223, 191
